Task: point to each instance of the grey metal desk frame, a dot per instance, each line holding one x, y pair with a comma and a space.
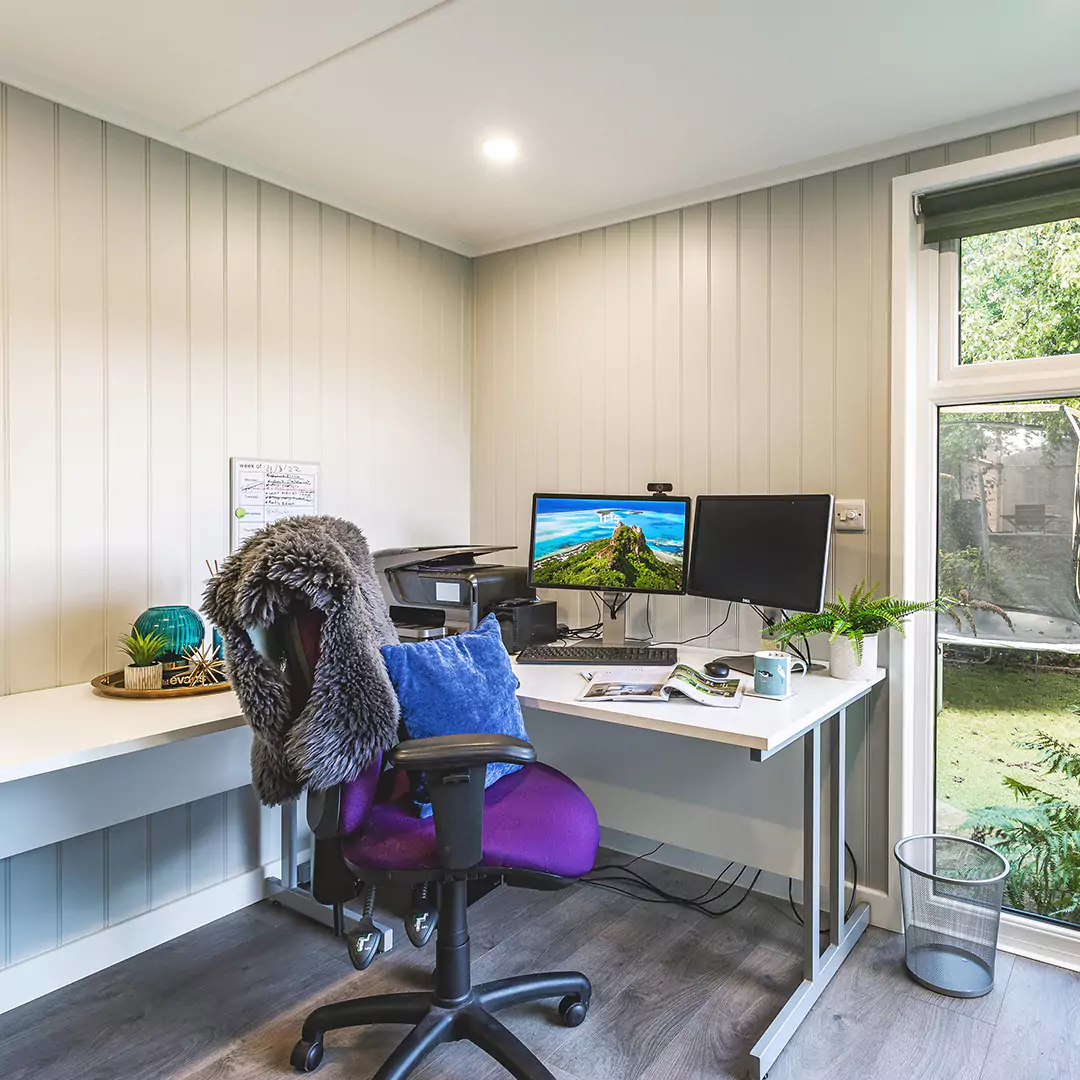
818, 967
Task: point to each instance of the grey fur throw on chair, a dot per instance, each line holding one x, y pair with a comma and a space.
352, 712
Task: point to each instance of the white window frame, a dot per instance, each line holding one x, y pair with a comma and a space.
925, 376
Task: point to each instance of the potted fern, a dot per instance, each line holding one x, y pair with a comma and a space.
853, 625
143, 651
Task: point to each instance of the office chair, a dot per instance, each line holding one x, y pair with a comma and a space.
533, 828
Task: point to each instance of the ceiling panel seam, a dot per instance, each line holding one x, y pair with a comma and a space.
187, 128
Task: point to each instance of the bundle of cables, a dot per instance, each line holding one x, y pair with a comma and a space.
617, 875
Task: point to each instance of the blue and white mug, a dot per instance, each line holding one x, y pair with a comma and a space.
773, 671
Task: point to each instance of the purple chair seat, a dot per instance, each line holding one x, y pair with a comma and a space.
534, 819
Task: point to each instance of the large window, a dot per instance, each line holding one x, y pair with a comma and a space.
1008, 729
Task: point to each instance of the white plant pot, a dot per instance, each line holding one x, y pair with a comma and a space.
142, 678
842, 663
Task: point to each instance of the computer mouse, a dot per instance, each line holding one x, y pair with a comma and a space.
717, 668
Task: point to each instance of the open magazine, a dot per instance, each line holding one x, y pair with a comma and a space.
656, 684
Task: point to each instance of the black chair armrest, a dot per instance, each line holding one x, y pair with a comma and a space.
460, 751
324, 811
455, 767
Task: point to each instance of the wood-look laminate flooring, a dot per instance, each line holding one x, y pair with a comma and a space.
677, 996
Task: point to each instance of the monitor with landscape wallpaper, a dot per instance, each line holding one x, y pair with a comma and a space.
619, 543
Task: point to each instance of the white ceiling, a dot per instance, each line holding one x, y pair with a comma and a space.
620, 106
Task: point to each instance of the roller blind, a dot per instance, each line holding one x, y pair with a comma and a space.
1004, 203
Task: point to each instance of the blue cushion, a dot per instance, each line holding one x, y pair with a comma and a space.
458, 685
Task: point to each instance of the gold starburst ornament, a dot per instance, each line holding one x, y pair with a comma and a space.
203, 667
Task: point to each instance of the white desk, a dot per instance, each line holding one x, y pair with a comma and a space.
47, 730
763, 727
73, 761
47, 733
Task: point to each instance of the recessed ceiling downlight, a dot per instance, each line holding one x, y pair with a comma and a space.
500, 149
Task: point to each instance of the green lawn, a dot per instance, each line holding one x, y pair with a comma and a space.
986, 709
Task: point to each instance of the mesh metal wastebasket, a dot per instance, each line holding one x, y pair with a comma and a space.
952, 890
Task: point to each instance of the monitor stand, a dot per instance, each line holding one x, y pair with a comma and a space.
614, 616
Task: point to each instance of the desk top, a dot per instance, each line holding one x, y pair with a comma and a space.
43, 731
46, 730
758, 724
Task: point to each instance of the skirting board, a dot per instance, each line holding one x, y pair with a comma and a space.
49, 971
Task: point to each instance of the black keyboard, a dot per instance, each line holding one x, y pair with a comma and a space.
598, 655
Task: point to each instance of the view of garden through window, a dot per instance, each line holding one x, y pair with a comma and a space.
1008, 724
1020, 293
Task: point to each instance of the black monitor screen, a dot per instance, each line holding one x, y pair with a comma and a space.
609, 542
769, 550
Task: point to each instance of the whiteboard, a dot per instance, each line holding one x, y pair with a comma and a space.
262, 492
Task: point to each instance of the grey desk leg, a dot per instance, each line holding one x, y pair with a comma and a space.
818, 967
811, 883
287, 891
837, 813
289, 845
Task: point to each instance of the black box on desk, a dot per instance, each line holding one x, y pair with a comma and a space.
526, 622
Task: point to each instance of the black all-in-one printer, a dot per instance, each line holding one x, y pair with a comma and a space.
434, 591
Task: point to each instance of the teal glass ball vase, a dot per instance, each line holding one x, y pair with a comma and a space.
182, 628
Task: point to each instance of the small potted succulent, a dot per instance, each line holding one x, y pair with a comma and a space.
143, 651
853, 625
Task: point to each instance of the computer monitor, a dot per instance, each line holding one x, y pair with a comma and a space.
609, 543
767, 550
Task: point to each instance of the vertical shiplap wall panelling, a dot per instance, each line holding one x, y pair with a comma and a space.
170, 429
548, 396
504, 369
360, 436
305, 352
641, 360
528, 388
617, 389
127, 380
722, 442
158, 314
819, 317
208, 536
1011, 138
785, 339
128, 869
275, 331
569, 409
753, 364
81, 283
242, 279
965, 149
82, 886
1058, 127
386, 358
485, 453
32, 421
852, 361
693, 428
207, 835
589, 341
408, 371
333, 356
665, 389
851, 412
169, 848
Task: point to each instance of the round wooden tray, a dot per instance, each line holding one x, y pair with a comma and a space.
111, 684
